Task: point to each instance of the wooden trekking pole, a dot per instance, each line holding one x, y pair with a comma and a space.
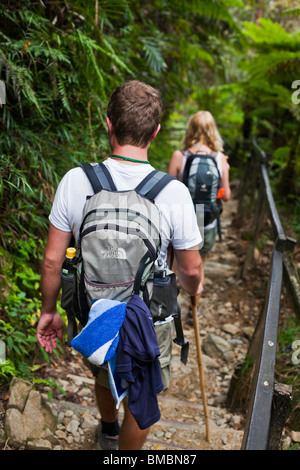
198, 345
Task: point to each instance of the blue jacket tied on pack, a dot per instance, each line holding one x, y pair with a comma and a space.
137, 362
123, 337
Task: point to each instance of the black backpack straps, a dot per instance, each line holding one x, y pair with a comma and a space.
90, 173
153, 184
147, 183
140, 272
187, 166
180, 340
213, 158
149, 187
99, 177
104, 175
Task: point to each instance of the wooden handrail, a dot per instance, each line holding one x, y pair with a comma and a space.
258, 429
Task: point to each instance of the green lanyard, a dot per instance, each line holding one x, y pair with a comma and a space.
130, 159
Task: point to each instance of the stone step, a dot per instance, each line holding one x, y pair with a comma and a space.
182, 427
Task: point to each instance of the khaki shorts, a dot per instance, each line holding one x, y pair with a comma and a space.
209, 241
164, 333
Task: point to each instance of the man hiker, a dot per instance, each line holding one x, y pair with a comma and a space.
133, 119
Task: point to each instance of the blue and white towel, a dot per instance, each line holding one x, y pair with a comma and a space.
99, 339
118, 387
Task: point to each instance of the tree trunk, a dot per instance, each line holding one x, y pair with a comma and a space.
259, 9
288, 178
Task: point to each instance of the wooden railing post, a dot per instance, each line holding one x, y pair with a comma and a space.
253, 383
292, 283
282, 395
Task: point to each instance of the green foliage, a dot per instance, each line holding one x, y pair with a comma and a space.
287, 372
60, 62
261, 89
20, 305
19, 309
293, 203
20, 204
269, 35
7, 370
273, 67
19, 336
52, 386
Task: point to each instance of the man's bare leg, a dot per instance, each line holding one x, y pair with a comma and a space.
131, 436
106, 404
108, 432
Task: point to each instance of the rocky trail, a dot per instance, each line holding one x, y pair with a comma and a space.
228, 313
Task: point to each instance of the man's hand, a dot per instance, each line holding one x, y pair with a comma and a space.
49, 328
195, 299
50, 325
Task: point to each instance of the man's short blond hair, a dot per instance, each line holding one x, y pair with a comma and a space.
134, 110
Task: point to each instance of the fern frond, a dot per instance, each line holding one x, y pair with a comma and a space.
111, 53
217, 10
152, 54
21, 80
195, 52
89, 47
62, 91
268, 64
45, 50
24, 79
272, 34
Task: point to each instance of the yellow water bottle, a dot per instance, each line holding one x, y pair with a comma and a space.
67, 267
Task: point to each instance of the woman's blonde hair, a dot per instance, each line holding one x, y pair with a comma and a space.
202, 128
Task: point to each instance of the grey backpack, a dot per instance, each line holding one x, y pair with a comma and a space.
202, 177
119, 240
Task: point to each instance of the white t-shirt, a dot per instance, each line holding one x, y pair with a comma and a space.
178, 220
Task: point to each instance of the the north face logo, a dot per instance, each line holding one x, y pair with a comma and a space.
117, 253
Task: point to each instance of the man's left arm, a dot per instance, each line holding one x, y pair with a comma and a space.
50, 325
